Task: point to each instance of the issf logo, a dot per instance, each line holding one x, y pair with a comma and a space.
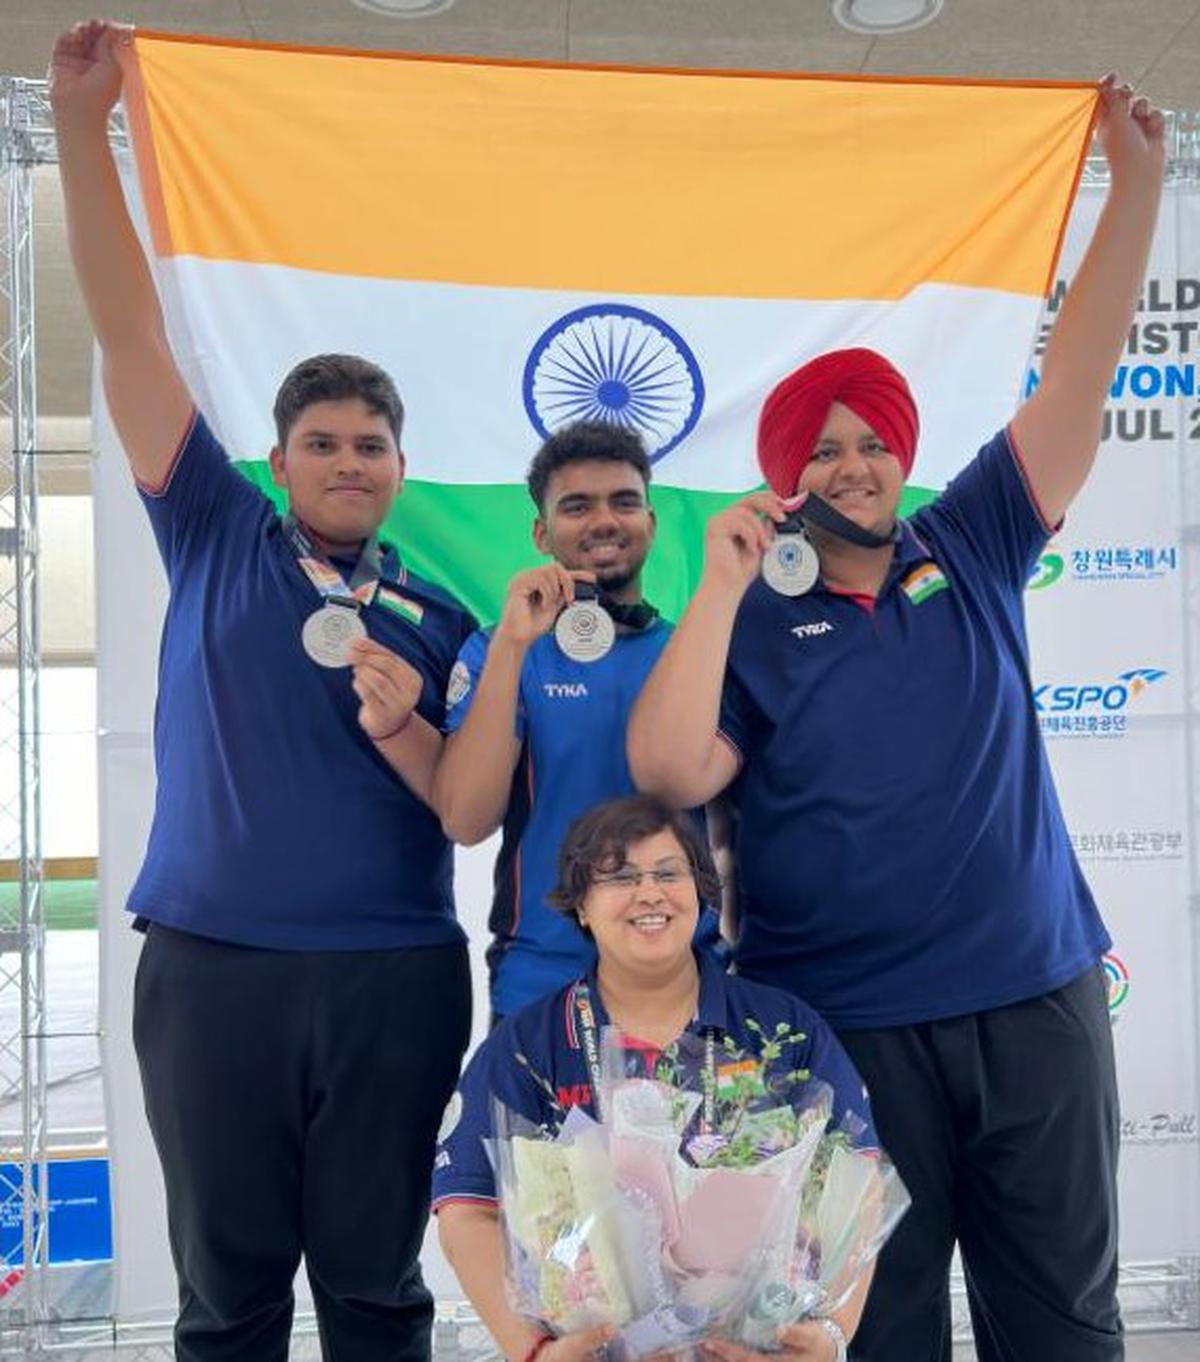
1046, 571
1109, 696
1117, 975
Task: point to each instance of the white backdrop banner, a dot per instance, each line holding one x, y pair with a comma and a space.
1112, 645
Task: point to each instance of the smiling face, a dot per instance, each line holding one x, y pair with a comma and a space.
643, 912
852, 470
596, 517
342, 470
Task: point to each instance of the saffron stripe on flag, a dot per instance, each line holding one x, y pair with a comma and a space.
744, 184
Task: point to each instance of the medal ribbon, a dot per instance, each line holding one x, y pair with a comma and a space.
325, 577
637, 615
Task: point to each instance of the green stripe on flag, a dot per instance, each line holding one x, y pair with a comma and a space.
472, 537
923, 593
398, 605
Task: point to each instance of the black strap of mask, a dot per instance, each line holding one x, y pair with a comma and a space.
817, 511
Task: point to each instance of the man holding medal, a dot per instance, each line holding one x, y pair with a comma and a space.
537, 706
296, 890
905, 865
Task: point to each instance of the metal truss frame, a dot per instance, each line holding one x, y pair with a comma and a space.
22, 932
1155, 1296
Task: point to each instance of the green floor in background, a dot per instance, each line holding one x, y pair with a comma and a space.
71, 905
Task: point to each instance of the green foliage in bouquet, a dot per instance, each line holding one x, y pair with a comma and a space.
750, 1099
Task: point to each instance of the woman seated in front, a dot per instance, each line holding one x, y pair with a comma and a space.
632, 874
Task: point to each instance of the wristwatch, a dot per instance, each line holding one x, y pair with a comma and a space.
834, 1330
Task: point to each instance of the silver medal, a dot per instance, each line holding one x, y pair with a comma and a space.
585, 631
790, 564
329, 632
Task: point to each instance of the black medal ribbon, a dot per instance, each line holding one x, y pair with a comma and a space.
635, 615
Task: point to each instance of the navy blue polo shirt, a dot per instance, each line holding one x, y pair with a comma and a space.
571, 719
903, 856
276, 822
546, 1036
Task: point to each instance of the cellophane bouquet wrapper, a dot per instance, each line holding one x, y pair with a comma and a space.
712, 1200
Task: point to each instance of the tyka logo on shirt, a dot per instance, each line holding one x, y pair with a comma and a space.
812, 630
565, 690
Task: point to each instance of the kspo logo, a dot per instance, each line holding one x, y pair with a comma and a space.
1111, 696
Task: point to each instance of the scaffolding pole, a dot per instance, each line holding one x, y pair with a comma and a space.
22, 930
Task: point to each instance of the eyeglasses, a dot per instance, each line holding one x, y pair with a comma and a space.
629, 877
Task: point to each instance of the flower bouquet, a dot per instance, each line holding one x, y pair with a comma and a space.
709, 1200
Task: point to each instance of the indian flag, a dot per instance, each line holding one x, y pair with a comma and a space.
400, 605
523, 245
923, 582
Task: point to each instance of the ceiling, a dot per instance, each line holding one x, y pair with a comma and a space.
1154, 43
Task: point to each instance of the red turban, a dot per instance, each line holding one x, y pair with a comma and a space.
792, 416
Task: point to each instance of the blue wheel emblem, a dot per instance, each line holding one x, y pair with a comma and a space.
610, 362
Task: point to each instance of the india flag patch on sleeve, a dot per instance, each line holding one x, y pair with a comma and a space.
400, 605
923, 582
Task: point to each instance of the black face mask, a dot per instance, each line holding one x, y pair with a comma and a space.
816, 511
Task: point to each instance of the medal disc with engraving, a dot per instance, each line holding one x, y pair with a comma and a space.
585, 631
328, 634
790, 564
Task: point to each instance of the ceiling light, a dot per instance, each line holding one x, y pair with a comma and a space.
875, 17
405, 9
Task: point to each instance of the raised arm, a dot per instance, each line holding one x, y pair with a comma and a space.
474, 777
1058, 430
675, 751
149, 402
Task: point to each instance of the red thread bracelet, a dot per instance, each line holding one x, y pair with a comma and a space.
536, 1348
395, 733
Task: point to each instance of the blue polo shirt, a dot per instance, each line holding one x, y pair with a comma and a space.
276, 822
903, 856
571, 720
546, 1037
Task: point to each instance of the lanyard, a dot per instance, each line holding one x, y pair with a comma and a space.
326, 579
589, 1040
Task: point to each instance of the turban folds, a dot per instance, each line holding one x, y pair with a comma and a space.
797, 408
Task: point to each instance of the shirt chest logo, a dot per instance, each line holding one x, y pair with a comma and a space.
923, 582
565, 690
400, 605
815, 630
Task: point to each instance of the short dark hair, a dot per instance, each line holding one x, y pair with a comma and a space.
335, 378
585, 441
598, 841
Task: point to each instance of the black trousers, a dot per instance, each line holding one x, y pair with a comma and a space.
294, 1098
1004, 1126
